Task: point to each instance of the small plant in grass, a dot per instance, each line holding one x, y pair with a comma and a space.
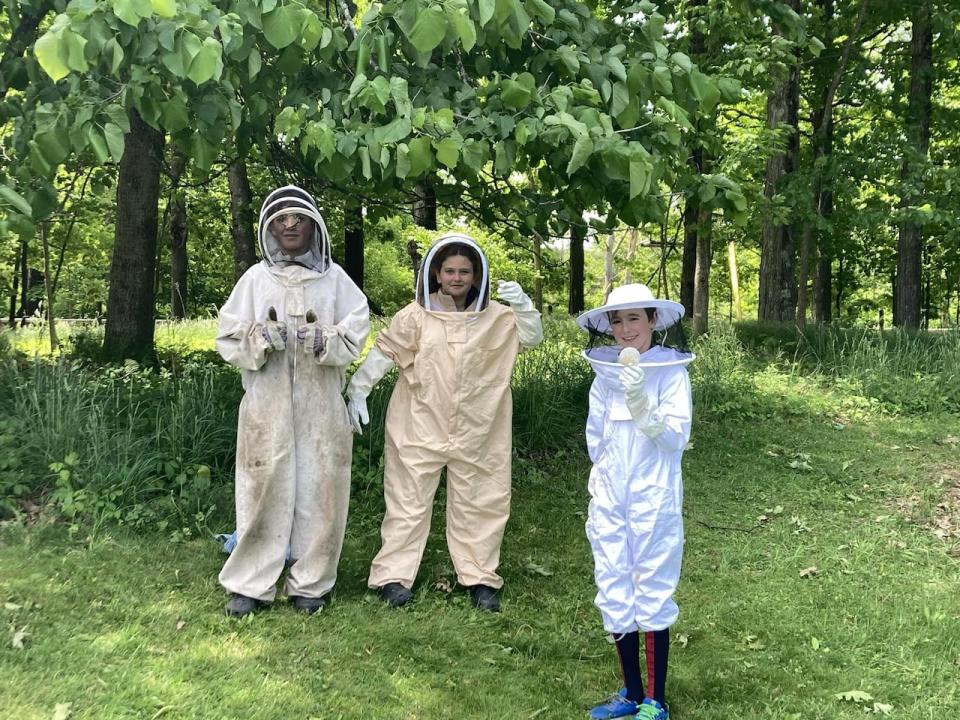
13, 485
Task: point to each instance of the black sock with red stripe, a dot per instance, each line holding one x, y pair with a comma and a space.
628, 648
657, 651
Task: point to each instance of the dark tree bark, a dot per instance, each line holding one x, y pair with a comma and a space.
701, 293
575, 286
130, 302
828, 72
823, 290
693, 228
353, 240
906, 300
424, 215
778, 285
24, 281
688, 267
178, 239
15, 287
425, 205
241, 219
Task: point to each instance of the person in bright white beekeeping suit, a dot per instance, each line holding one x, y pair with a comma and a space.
452, 408
292, 324
637, 429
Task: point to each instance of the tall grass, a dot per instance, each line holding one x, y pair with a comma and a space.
156, 445
906, 371
124, 443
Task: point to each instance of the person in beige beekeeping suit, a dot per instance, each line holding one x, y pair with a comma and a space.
452, 408
292, 324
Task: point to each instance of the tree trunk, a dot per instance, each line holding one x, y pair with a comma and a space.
822, 290
575, 285
828, 71
906, 301
241, 219
415, 259
688, 267
424, 215
632, 235
691, 265
24, 281
608, 272
353, 240
130, 303
777, 281
178, 239
15, 287
538, 272
701, 291
425, 205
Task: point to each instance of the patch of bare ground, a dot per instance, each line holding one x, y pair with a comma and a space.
944, 520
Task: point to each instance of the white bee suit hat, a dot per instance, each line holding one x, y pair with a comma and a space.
634, 295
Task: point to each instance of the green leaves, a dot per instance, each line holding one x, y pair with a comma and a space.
582, 149
13, 199
60, 51
281, 25
164, 8
429, 29
517, 93
132, 11
463, 25
639, 175
207, 64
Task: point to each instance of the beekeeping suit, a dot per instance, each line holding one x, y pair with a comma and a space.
635, 440
452, 408
292, 325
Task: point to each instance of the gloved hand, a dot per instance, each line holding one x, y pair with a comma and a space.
512, 294
646, 416
274, 331
529, 327
374, 367
357, 410
310, 336
634, 393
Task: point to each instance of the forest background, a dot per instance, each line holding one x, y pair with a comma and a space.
787, 161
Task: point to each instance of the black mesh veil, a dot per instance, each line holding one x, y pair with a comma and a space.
672, 337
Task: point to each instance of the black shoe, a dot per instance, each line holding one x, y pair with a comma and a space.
485, 597
240, 605
310, 605
395, 594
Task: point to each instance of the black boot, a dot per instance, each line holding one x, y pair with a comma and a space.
485, 597
310, 605
240, 605
395, 594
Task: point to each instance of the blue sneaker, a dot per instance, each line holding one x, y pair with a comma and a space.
614, 707
650, 709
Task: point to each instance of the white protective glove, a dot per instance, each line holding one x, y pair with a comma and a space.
310, 336
529, 327
274, 331
645, 415
374, 367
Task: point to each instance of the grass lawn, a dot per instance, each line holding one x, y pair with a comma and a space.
821, 580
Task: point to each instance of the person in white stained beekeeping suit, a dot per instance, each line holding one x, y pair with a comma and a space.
292, 324
637, 429
452, 408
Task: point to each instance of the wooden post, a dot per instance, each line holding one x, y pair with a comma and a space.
51, 318
734, 279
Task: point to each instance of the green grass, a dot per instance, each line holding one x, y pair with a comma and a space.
787, 471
